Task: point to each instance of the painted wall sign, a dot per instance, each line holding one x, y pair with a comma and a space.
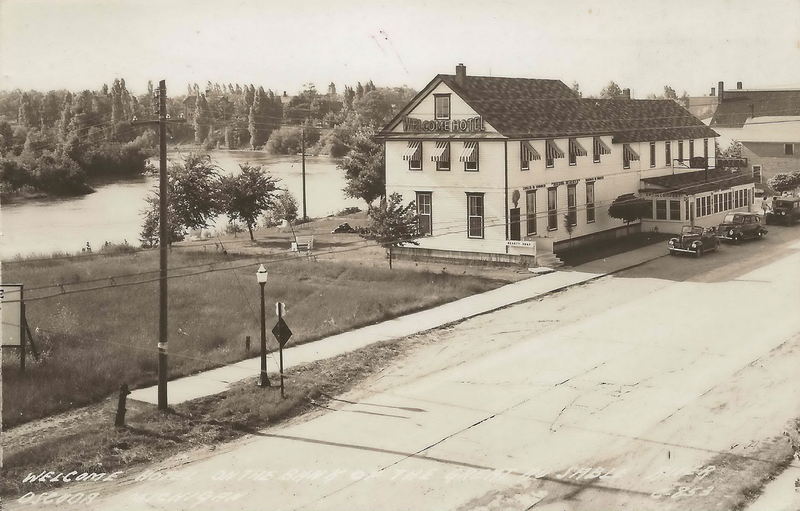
590, 179
515, 243
473, 124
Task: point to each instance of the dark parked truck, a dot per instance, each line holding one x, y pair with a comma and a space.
736, 227
694, 240
785, 211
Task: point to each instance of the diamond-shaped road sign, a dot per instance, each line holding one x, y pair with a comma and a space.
281, 332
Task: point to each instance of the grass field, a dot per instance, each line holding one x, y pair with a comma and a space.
91, 342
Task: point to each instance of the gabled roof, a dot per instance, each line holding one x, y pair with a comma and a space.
696, 182
534, 108
738, 105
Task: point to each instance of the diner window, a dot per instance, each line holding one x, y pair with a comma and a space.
698, 207
661, 209
530, 211
424, 213
788, 149
674, 210
442, 102
668, 153
474, 215
691, 149
552, 213
647, 214
680, 151
652, 154
590, 202
572, 204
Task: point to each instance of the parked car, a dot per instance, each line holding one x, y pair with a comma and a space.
785, 211
695, 240
736, 227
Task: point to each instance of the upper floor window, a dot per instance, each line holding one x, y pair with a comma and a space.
552, 151
628, 155
575, 150
652, 154
599, 148
441, 155
413, 154
668, 153
527, 154
470, 156
474, 215
442, 102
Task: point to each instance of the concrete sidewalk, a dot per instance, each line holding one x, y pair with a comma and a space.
219, 380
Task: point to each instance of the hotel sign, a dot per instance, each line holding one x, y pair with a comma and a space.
471, 125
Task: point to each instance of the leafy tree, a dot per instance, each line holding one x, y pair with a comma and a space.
27, 113
392, 225
6, 137
202, 120
246, 196
629, 208
576, 88
373, 109
669, 93
364, 168
611, 91
784, 182
258, 120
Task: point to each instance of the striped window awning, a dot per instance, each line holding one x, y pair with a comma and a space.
414, 151
552, 151
529, 153
575, 148
470, 152
629, 153
600, 147
441, 152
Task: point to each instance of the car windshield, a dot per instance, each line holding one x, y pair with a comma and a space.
784, 204
688, 229
730, 218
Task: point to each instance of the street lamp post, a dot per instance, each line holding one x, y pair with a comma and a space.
261, 276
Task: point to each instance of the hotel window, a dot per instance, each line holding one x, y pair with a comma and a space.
590, 202
652, 154
442, 102
474, 215
441, 155
552, 213
628, 155
648, 213
668, 153
413, 154
705, 148
691, 149
674, 210
552, 151
572, 204
575, 150
470, 156
661, 210
680, 151
527, 154
424, 213
530, 211
788, 149
599, 148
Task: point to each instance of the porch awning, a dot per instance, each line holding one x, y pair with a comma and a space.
551, 150
413, 151
600, 147
441, 152
575, 148
629, 153
470, 152
529, 153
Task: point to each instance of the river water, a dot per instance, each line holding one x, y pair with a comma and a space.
114, 212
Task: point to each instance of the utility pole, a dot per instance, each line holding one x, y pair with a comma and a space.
163, 235
303, 151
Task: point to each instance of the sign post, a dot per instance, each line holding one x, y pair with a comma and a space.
282, 333
12, 308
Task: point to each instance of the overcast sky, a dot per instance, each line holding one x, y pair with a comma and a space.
689, 44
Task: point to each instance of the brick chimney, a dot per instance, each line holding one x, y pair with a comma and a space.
739, 85
721, 89
461, 74
626, 94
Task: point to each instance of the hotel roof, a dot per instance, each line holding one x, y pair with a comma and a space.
535, 108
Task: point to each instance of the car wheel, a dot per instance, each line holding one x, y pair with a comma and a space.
699, 253
737, 238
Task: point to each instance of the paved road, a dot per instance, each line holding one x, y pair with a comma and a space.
593, 398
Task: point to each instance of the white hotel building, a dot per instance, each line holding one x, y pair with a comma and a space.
496, 164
